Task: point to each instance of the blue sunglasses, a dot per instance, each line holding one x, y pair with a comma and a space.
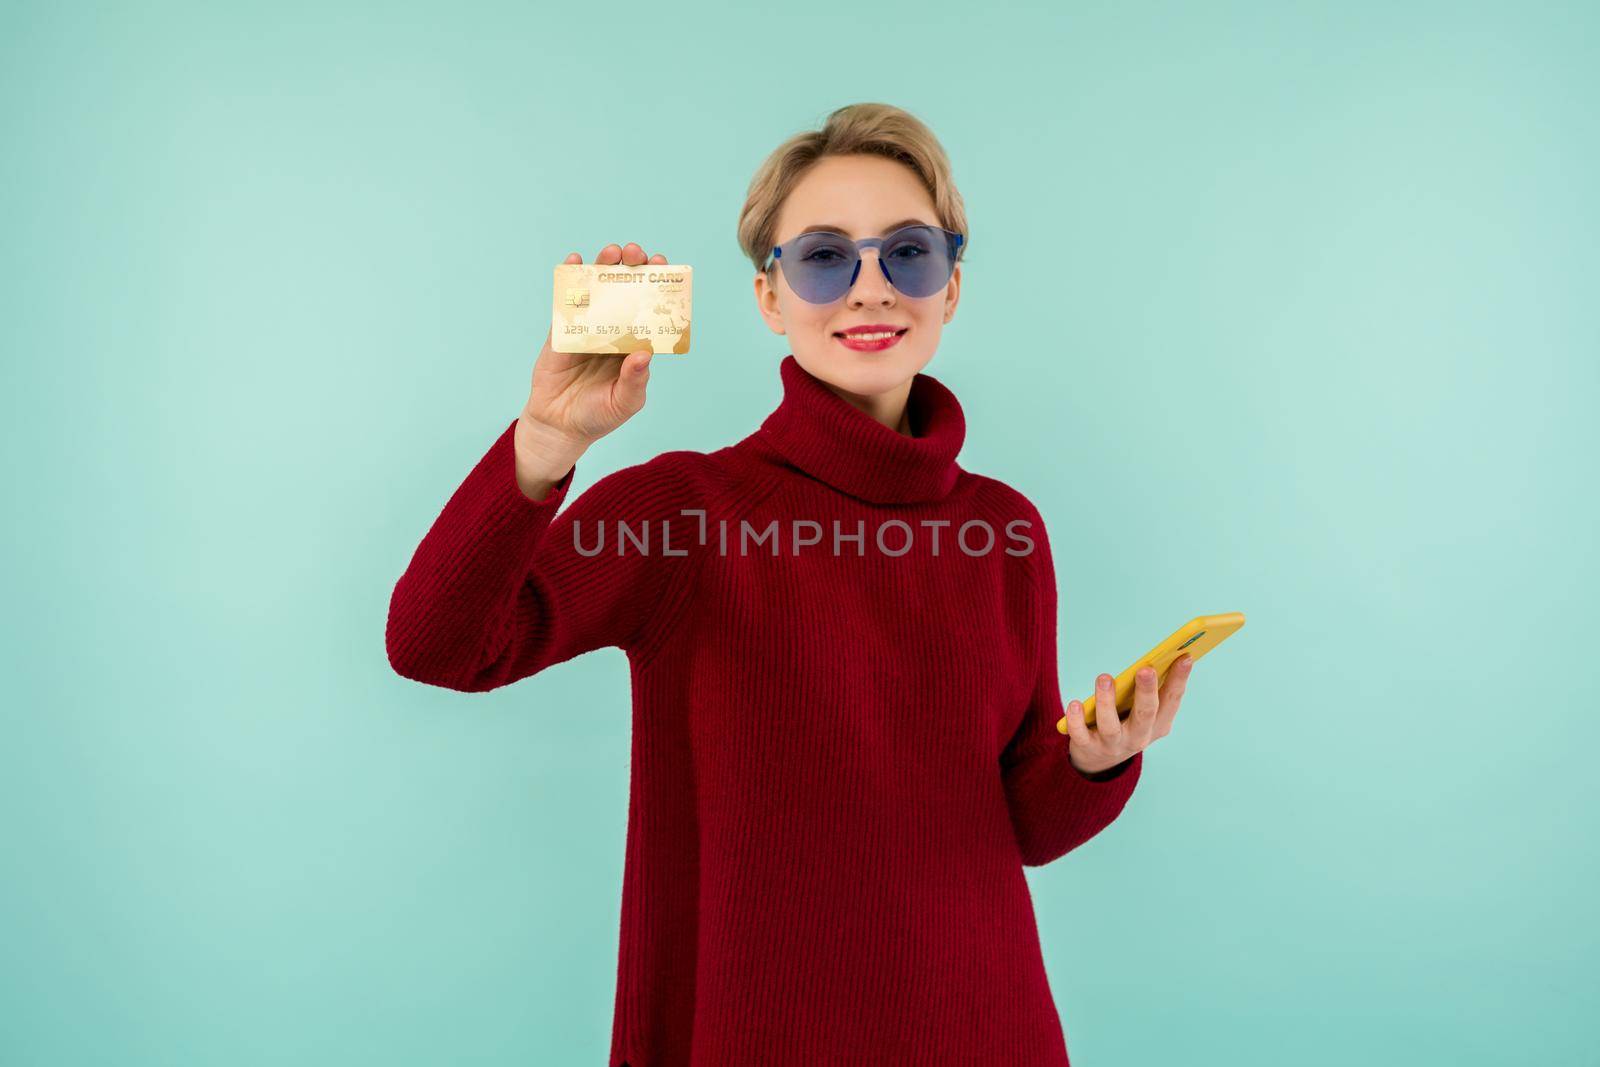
822, 266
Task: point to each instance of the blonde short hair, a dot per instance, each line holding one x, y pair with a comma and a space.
869, 128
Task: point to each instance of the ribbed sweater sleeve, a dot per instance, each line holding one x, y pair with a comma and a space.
498, 590
1054, 807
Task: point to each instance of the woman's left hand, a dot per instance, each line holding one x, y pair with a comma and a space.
1114, 739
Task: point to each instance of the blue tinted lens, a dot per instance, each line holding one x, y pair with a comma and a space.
820, 266
917, 260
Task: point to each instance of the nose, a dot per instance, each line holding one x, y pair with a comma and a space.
871, 284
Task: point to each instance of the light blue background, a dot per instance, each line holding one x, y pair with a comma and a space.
1283, 312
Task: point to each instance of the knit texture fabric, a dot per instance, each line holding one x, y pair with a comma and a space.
844, 750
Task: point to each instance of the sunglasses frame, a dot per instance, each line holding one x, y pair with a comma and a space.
953, 239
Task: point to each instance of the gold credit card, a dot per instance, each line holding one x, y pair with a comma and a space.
619, 309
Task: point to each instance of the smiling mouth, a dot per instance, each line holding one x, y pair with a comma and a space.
879, 336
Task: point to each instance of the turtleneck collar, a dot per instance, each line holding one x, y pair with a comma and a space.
836, 442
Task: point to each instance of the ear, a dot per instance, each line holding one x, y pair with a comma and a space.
952, 294
767, 301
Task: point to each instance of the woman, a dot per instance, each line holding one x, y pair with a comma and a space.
842, 649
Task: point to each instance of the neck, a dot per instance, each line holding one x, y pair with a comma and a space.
882, 448
888, 408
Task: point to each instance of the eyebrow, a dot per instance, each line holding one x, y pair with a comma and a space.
828, 228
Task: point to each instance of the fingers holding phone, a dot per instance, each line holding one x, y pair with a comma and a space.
1114, 739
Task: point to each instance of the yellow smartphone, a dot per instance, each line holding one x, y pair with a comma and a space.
1193, 639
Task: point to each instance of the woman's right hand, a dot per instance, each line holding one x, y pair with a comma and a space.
577, 397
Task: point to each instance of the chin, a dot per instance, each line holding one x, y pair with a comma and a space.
863, 373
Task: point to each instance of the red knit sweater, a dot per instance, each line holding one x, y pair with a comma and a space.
841, 760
